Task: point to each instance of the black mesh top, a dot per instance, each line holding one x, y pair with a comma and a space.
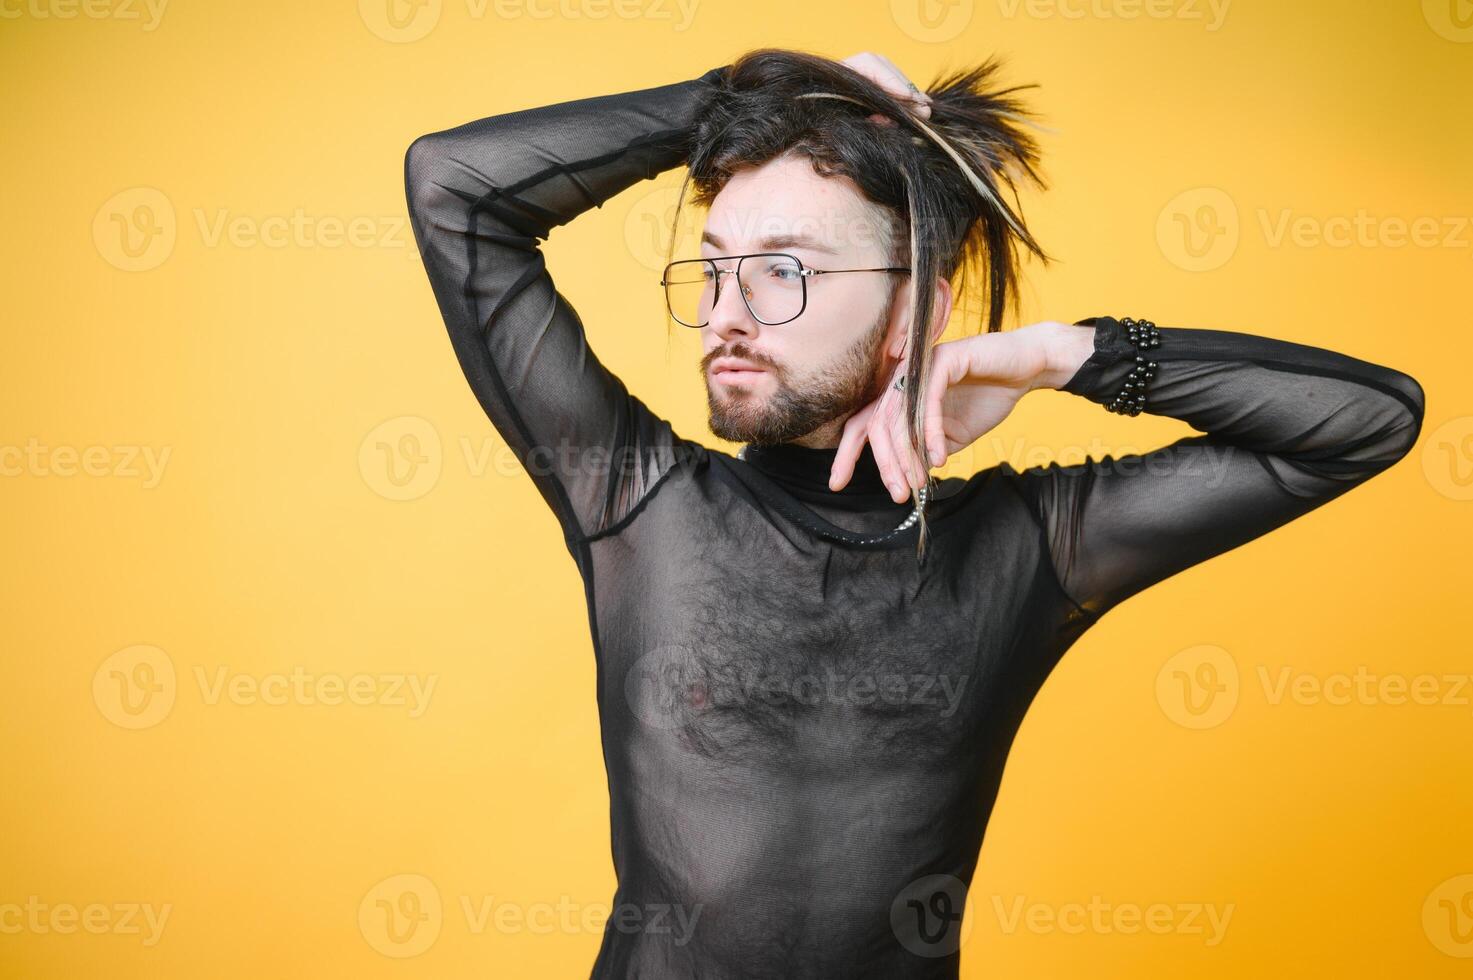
804, 736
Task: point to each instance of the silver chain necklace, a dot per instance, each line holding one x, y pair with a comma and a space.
915, 515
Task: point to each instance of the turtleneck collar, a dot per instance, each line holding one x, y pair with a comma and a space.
805, 472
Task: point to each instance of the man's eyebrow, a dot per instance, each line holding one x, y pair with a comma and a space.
776, 242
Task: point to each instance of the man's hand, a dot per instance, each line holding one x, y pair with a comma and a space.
974, 384
882, 71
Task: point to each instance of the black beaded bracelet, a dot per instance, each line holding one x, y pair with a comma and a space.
1132, 397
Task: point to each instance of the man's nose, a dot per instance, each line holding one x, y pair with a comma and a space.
729, 314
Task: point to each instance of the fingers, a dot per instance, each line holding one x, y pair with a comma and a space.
888, 439
883, 447
851, 442
905, 89
935, 439
881, 423
940, 381
911, 466
885, 73
894, 78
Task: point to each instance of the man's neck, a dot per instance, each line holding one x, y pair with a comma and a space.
826, 436
804, 472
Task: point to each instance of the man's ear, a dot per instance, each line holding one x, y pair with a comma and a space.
899, 328
899, 335
940, 308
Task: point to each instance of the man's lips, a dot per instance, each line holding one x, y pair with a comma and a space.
736, 376
733, 372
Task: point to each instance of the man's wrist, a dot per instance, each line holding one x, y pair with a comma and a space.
1066, 347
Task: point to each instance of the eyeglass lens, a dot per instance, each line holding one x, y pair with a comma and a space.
773, 285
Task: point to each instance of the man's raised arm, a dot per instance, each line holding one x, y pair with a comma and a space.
1288, 428
481, 196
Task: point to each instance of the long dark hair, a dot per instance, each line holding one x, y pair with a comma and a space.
939, 180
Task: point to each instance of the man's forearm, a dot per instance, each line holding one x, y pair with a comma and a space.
1342, 417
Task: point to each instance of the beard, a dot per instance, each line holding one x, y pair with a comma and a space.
800, 404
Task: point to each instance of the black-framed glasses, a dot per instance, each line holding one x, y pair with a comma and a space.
774, 286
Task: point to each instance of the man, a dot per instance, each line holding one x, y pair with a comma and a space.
804, 723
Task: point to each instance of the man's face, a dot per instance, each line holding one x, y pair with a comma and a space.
831, 360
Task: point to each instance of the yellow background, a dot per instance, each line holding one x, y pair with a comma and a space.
1335, 833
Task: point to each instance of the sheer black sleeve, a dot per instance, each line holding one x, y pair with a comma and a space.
1288, 427
481, 196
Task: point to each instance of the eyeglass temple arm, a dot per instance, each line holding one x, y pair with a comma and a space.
826, 272
818, 272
